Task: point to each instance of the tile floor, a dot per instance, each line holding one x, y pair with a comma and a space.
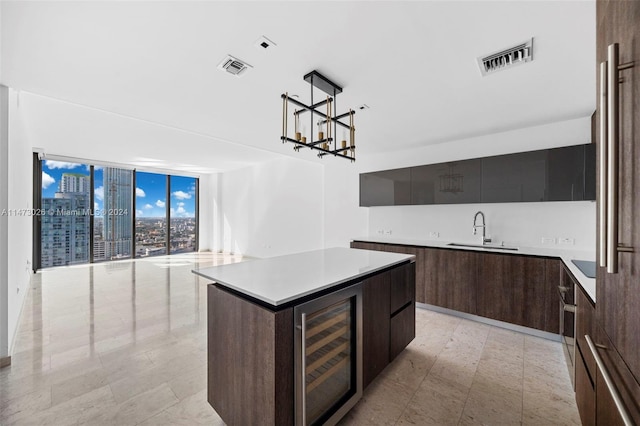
124, 343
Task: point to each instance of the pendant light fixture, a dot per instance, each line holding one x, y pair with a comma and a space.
323, 119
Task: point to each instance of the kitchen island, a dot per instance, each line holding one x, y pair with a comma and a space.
351, 310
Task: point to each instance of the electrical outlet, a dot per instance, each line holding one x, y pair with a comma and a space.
388, 232
548, 240
380, 231
566, 241
434, 234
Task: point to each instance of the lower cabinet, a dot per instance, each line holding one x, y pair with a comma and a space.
585, 391
389, 318
451, 279
513, 288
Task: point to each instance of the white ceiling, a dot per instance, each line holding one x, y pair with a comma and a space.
413, 63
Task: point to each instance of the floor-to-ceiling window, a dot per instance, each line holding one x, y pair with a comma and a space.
151, 214
182, 214
66, 213
113, 213
95, 213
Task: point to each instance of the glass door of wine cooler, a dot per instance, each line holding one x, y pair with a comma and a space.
328, 357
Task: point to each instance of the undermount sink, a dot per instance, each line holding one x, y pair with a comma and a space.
486, 246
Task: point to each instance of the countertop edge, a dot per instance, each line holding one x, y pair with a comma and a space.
277, 304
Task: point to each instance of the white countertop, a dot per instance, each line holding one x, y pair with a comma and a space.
588, 284
282, 279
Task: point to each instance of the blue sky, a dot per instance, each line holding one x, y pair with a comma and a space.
150, 189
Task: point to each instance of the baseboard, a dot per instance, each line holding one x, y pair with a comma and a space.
495, 323
5, 362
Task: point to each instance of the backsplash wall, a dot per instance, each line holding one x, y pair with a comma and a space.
520, 224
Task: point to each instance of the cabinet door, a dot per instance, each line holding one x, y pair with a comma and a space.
511, 289
375, 326
403, 286
402, 329
450, 279
585, 392
618, 295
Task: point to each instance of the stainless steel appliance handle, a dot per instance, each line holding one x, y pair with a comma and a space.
626, 418
303, 363
602, 243
612, 158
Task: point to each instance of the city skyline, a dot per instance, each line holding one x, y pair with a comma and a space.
150, 189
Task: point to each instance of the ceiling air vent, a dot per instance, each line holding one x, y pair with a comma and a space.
234, 66
507, 58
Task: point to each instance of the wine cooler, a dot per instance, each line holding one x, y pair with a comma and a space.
328, 356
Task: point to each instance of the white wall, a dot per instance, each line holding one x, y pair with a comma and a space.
517, 223
20, 196
344, 219
271, 209
4, 221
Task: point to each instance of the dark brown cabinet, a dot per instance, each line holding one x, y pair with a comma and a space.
585, 364
389, 318
451, 279
618, 294
585, 392
512, 289
375, 326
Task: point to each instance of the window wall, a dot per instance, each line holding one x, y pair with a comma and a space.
113, 213
93, 213
66, 213
151, 214
182, 214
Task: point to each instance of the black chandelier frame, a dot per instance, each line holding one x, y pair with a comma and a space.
325, 145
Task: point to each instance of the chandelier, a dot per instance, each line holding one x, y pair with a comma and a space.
321, 116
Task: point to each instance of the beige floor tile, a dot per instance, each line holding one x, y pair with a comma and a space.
383, 404
194, 410
189, 384
26, 405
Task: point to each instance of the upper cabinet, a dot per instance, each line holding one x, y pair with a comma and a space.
558, 174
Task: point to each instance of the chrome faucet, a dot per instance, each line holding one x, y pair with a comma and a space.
483, 226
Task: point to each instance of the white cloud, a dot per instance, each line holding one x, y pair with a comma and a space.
160, 203
181, 195
140, 193
181, 211
172, 212
60, 164
139, 213
180, 204
47, 180
96, 206
99, 193
148, 206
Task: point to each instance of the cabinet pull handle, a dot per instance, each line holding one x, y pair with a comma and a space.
612, 157
609, 382
602, 243
303, 364
625, 249
569, 308
612, 140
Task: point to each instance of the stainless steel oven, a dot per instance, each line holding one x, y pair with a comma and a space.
328, 356
567, 293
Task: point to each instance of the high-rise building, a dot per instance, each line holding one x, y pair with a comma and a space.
74, 182
65, 225
117, 224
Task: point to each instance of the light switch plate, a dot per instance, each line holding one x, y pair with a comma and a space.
548, 240
434, 234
